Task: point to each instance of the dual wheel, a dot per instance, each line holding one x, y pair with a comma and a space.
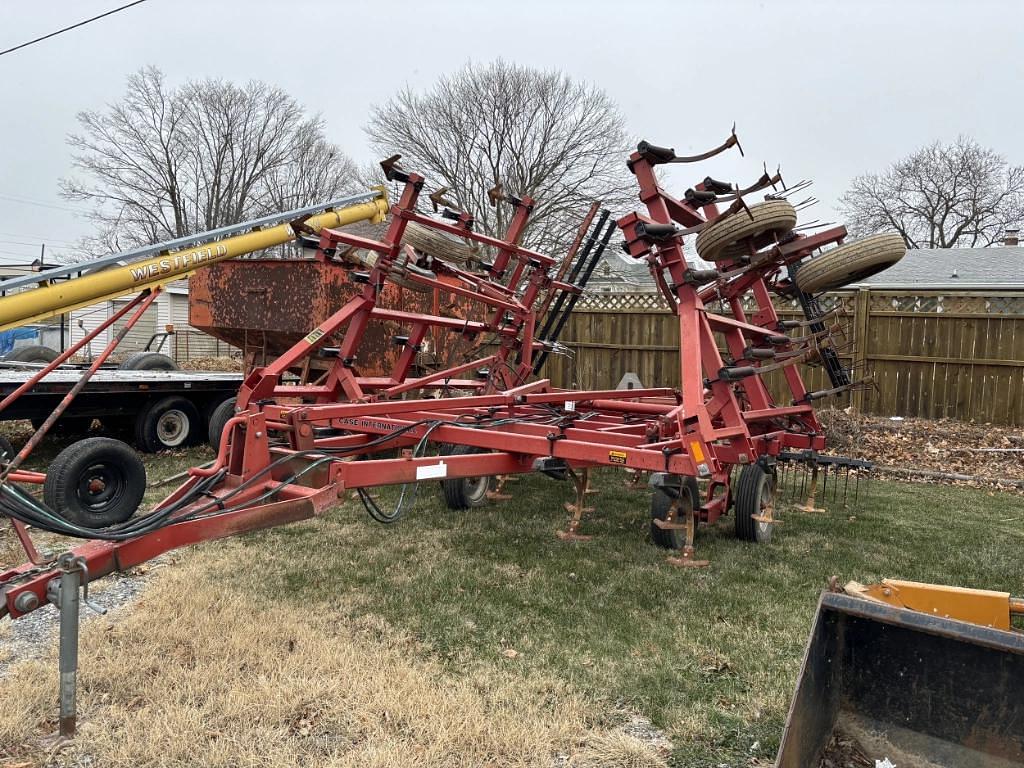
753, 507
731, 237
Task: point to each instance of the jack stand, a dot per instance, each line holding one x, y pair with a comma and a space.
498, 493
63, 593
582, 483
808, 506
686, 560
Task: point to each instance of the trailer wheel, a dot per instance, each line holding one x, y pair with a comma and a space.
32, 354
755, 497
720, 240
168, 424
465, 492
661, 504
148, 361
217, 420
850, 263
95, 482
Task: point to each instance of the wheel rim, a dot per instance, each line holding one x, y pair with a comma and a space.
172, 428
475, 488
100, 487
766, 511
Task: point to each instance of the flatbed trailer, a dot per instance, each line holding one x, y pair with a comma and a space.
118, 398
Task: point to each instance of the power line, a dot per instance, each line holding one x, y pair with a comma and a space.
33, 240
67, 29
40, 204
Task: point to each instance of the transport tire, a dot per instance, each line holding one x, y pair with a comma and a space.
167, 425
218, 418
33, 354
148, 361
465, 492
661, 504
755, 496
721, 239
95, 482
850, 263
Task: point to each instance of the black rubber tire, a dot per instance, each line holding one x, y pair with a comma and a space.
661, 503
720, 240
72, 478
755, 493
465, 492
218, 418
7, 451
33, 354
167, 425
850, 263
148, 361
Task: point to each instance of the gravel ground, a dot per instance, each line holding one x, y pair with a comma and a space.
32, 636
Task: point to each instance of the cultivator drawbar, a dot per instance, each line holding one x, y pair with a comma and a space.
711, 446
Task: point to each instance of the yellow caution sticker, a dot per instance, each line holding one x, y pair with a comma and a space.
616, 457
314, 336
696, 452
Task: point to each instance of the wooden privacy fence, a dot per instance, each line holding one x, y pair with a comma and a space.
933, 354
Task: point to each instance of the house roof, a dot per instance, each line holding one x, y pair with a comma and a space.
996, 267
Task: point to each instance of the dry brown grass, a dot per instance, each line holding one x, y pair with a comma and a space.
195, 674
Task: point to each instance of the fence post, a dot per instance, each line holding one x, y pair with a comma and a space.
861, 311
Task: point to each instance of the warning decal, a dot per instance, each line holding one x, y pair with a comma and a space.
616, 457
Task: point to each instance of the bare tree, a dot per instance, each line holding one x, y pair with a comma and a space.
537, 133
164, 163
942, 196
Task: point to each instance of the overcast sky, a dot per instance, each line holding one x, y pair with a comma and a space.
827, 89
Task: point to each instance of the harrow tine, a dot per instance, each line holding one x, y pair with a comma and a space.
787, 191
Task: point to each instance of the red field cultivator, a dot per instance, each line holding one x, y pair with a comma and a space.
291, 450
288, 449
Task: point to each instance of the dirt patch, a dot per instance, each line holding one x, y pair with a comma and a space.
985, 451
230, 364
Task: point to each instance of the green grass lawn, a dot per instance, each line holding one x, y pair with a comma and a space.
710, 655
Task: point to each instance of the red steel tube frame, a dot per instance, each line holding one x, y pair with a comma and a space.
702, 429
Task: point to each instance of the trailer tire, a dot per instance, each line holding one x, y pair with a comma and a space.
167, 425
661, 504
755, 495
850, 263
95, 482
465, 492
720, 240
32, 354
148, 361
217, 420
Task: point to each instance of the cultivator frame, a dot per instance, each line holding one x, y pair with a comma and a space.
287, 453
